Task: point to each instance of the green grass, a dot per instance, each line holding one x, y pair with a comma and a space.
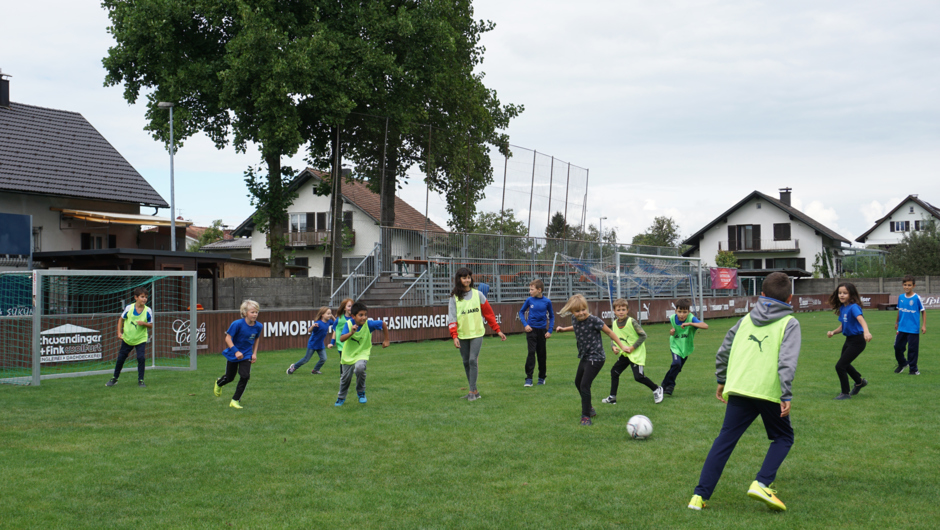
77, 454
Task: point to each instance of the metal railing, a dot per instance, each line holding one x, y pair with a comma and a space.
359, 279
760, 245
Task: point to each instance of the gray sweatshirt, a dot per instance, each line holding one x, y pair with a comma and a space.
766, 311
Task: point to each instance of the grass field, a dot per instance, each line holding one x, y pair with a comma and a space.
77, 454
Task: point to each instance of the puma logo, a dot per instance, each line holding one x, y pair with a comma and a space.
759, 345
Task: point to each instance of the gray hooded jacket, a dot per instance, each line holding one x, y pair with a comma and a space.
766, 311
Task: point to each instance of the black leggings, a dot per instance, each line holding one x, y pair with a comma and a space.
622, 363
587, 371
244, 374
853, 347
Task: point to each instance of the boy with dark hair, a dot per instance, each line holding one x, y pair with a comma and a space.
538, 322
632, 335
681, 341
132, 328
755, 366
911, 322
357, 346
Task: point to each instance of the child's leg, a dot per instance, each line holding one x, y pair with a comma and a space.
640, 377
900, 343
669, 382
244, 374
739, 414
322, 353
141, 360
540, 351
229, 376
591, 369
470, 351
913, 350
304, 360
618, 368
122, 356
346, 373
531, 342
360, 369
780, 434
853, 347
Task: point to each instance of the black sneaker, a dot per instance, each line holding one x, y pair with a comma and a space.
593, 412
900, 368
915, 372
141, 384
111, 382
667, 391
842, 396
859, 386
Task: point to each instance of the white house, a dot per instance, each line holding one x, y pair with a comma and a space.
767, 235
911, 214
308, 230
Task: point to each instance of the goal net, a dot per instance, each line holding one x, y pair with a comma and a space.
59, 323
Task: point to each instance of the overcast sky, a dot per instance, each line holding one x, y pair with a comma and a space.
676, 108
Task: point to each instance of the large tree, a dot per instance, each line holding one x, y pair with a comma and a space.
557, 227
664, 232
274, 73
918, 253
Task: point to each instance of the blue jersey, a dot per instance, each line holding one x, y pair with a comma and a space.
541, 313
848, 315
318, 334
243, 337
909, 310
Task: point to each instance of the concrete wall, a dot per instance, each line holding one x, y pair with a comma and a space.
923, 285
270, 293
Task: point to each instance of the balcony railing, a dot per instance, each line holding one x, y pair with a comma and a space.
760, 245
311, 239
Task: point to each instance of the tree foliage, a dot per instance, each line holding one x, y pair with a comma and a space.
214, 232
918, 253
557, 227
504, 222
664, 232
726, 259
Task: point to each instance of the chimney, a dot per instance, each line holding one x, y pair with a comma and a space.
4, 90
785, 196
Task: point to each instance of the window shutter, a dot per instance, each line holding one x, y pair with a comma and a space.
311, 222
801, 262
321, 222
770, 263
86, 241
756, 232
347, 219
327, 269
112, 241
782, 232
891, 225
732, 238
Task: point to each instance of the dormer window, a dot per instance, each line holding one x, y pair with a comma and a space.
912, 209
758, 206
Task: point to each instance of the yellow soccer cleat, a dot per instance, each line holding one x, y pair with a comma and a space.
235, 405
217, 390
697, 503
766, 495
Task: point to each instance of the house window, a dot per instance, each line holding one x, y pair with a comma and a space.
781, 231
912, 209
749, 264
901, 226
787, 263
37, 239
348, 219
758, 206
349, 264
298, 222
304, 262
743, 237
92, 242
316, 221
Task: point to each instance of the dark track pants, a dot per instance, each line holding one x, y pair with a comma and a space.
244, 374
853, 347
912, 341
536, 341
141, 359
739, 414
669, 382
622, 363
587, 371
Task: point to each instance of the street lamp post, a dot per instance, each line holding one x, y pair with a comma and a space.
600, 230
167, 105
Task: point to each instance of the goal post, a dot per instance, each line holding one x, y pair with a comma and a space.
64, 323
653, 276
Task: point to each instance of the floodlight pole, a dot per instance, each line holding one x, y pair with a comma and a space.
600, 230
168, 105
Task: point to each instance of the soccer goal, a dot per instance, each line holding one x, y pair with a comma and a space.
629, 275
64, 323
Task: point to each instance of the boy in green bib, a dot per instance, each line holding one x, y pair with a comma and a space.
132, 329
357, 346
755, 367
681, 341
631, 334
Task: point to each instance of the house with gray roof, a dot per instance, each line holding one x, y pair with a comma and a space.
81, 193
767, 234
910, 215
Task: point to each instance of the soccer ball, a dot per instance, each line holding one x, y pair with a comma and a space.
639, 427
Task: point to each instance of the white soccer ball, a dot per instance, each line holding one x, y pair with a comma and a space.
639, 427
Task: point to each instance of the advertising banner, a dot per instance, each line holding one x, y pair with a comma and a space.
723, 278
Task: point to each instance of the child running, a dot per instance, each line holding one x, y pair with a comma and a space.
322, 326
755, 366
136, 319
538, 317
681, 341
466, 311
587, 333
911, 322
243, 336
845, 302
357, 336
634, 356
344, 314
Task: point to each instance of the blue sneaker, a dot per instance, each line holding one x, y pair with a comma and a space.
339, 402
362, 397
528, 382
541, 380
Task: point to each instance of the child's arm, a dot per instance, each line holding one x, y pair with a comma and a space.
699, 325
254, 349
861, 320
836, 331
487, 311
560, 329
121, 328
230, 344
385, 334
522, 309
613, 336
352, 327
923, 321
787, 358
551, 320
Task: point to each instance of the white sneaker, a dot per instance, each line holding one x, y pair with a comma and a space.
658, 395
610, 400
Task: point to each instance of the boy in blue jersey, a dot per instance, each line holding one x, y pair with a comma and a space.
242, 339
538, 317
911, 322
